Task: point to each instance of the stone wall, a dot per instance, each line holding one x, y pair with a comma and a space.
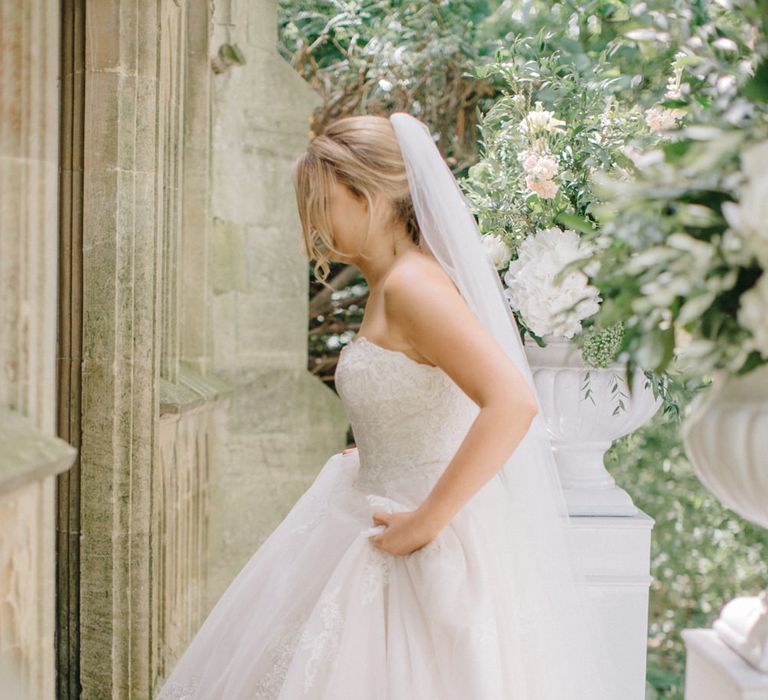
30, 455
170, 266
283, 423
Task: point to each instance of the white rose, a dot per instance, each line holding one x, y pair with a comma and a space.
497, 250
539, 119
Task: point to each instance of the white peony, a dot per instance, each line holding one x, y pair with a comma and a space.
532, 291
749, 218
497, 250
753, 312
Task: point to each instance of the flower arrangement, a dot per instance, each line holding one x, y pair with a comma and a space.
539, 163
531, 188
661, 250
550, 305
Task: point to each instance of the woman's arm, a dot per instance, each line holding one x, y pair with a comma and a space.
426, 309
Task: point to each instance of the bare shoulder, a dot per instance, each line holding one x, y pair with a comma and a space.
419, 295
428, 312
416, 275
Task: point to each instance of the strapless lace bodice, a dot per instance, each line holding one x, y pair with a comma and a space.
408, 418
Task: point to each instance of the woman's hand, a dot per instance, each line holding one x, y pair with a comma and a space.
405, 532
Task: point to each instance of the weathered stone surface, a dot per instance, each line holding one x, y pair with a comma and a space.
120, 396
26, 587
29, 453
282, 423
197, 411
276, 443
182, 276
228, 271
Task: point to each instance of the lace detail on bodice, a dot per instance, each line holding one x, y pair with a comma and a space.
408, 418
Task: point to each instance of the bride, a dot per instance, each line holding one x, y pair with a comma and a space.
434, 560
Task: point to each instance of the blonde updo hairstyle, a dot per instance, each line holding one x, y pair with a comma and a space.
362, 153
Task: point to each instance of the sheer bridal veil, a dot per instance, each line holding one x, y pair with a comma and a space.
554, 591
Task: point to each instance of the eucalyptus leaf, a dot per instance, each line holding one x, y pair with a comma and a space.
649, 258
697, 215
576, 222
651, 349
694, 307
756, 89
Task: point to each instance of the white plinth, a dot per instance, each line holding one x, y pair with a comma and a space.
616, 552
713, 671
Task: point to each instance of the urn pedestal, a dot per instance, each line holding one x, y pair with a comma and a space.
586, 409
713, 671
725, 434
612, 535
726, 438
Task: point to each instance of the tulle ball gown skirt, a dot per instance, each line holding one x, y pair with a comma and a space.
320, 612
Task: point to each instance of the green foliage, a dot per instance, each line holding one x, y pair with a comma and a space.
673, 266
599, 348
376, 57
595, 125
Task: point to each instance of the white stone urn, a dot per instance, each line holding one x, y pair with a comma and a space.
725, 434
582, 427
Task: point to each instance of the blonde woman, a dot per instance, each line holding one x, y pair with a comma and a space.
433, 561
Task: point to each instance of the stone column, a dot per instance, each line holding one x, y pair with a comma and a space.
121, 257
200, 426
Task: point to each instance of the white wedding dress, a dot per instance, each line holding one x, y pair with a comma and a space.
319, 612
